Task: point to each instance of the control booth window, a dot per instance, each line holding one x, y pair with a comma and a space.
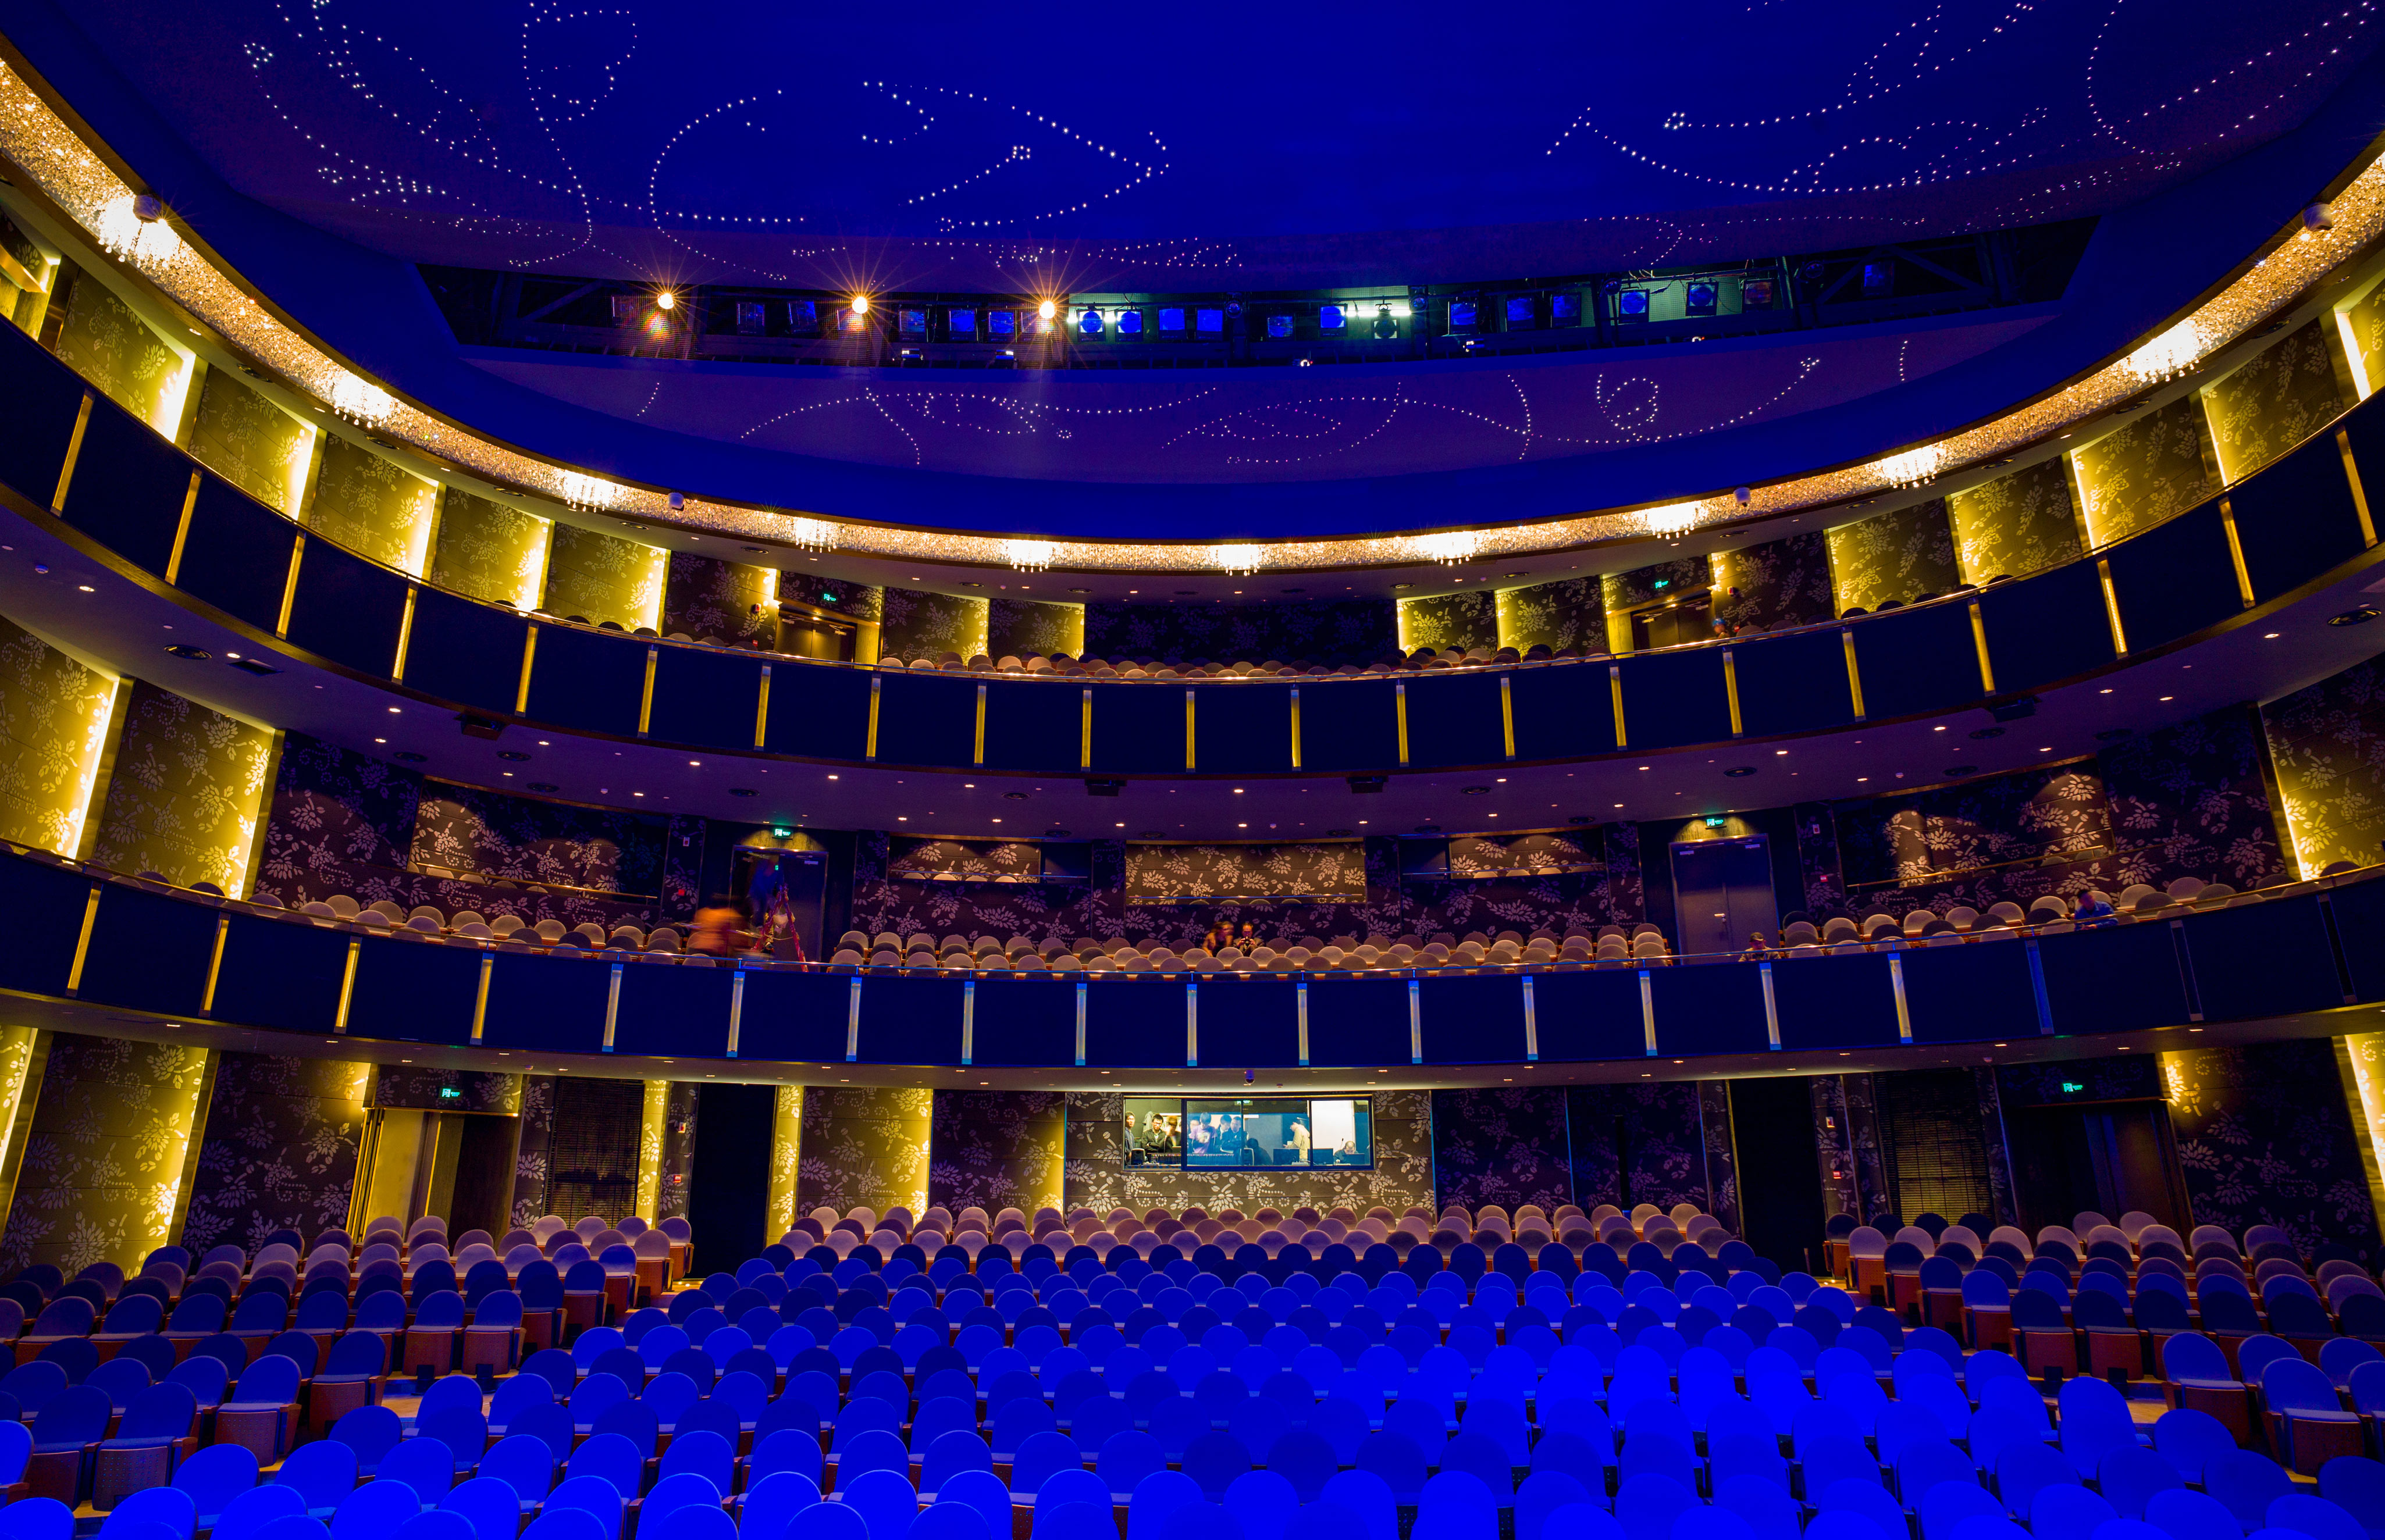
1235, 1134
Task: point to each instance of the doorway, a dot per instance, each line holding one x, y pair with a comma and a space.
2107, 1156
1676, 623
787, 889
1722, 889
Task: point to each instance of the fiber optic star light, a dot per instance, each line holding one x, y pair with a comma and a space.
1242, 560
2169, 355
587, 492
360, 402
1449, 547
1914, 467
1029, 555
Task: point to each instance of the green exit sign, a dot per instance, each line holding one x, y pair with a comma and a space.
2072, 1087
449, 1093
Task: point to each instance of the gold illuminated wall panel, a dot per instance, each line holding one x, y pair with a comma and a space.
1571, 611
251, 443
373, 507
102, 339
104, 1165
601, 578
185, 794
1016, 627
1898, 555
2015, 524
786, 1155
489, 552
2278, 398
2156, 467
923, 625
53, 722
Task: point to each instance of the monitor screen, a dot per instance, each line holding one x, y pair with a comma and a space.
1216, 1134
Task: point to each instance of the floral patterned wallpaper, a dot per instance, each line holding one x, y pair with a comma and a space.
1776, 584
490, 551
1509, 1145
997, 1149
373, 506
1460, 620
249, 441
682, 1106
1288, 630
653, 1110
601, 578
1570, 614
186, 793
2015, 524
278, 1151
924, 858
922, 625
340, 823
103, 1167
2191, 800
1156, 873
533, 1151
1890, 846
2267, 1136
786, 1150
719, 601
2160, 465
2362, 326
1820, 872
102, 341
2277, 399
864, 1146
1721, 1152
604, 849
54, 718
1098, 1176
1901, 555
1488, 855
1020, 627
2328, 743
1662, 1156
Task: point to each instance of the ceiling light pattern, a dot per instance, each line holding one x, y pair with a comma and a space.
66, 171
1914, 467
2169, 355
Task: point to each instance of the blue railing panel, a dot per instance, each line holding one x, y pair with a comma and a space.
281, 974
674, 1012
2262, 960
149, 951
1713, 1009
1835, 1002
550, 1005
2113, 978
2175, 578
1970, 994
1594, 1014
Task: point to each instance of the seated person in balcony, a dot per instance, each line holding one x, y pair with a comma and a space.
1757, 944
2092, 910
1247, 940
1218, 937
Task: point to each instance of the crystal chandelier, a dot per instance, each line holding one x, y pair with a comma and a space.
359, 402
1241, 560
587, 492
1914, 467
1672, 519
135, 228
811, 534
2169, 355
1029, 555
1449, 547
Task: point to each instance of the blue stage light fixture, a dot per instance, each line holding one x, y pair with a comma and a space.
1565, 309
1522, 311
1329, 317
1879, 279
961, 324
1278, 326
1386, 328
1129, 323
1462, 314
1000, 325
1209, 321
1632, 306
1171, 319
749, 320
803, 315
1698, 299
1755, 293
1090, 322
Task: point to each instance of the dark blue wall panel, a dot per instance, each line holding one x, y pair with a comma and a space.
1250, 1022
2175, 578
911, 1021
415, 992
465, 652
1834, 1002
707, 699
39, 398
1350, 724
1139, 728
1713, 1009
128, 487
1922, 660
1454, 718
41, 913
2114, 978
674, 1011
1792, 684
347, 609
237, 554
1241, 728
1020, 1020
278, 973
1470, 1021
817, 710
1035, 725
1137, 1023
926, 719
1360, 1021
1589, 1016
795, 1017
2360, 920
2262, 960
172, 940
1969, 994
2045, 627
590, 680
1563, 711
555, 1004
1672, 697
2296, 519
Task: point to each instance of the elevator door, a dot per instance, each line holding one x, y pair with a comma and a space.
1722, 890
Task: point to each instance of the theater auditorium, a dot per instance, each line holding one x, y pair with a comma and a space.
1202, 775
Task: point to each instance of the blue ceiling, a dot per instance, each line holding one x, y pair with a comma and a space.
960, 145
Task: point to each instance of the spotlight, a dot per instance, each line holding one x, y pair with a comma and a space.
861, 305
1047, 309
665, 300
1386, 328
